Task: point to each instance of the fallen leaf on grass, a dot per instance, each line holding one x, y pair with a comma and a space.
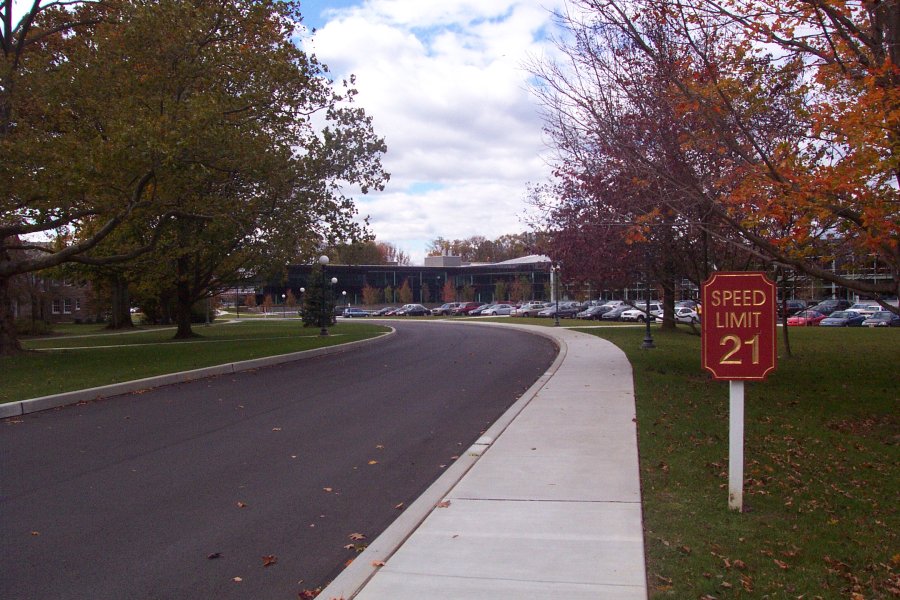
781, 565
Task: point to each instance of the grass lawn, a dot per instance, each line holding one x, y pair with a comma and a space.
822, 469
63, 363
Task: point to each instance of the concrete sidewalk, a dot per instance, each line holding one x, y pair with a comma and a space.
547, 503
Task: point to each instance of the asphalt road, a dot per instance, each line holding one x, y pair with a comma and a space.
249, 485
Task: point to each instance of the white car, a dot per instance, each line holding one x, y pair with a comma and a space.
639, 313
866, 309
498, 309
683, 314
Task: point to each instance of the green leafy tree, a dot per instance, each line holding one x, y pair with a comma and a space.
200, 123
318, 309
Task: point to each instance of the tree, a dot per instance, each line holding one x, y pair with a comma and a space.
448, 292
404, 294
501, 291
56, 172
201, 116
774, 133
318, 310
372, 295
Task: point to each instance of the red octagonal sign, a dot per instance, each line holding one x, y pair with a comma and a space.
738, 329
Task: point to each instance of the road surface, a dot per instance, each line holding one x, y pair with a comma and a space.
251, 485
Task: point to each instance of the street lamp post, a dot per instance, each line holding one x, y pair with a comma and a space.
283, 300
344, 294
556, 295
647, 344
323, 323
302, 299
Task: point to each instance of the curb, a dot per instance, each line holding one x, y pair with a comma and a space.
24, 407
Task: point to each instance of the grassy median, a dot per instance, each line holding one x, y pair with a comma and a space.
87, 357
822, 457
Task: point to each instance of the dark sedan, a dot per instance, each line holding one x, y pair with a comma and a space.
842, 318
615, 313
883, 318
593, 313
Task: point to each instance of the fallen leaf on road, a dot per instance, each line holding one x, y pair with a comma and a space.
237, 580
214, 555
443, 504
373, 462
276, 429
35, 533
269, 560
399, 506
356, 536
328, 489
241, 505
379, 447
377, 563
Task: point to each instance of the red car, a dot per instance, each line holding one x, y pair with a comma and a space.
806, 318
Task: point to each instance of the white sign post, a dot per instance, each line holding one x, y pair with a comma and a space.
736, 445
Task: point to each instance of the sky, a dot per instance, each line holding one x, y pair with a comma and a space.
447, 86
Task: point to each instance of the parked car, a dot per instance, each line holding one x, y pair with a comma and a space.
567, 310
684, 314
465, 308
497, 309
866, 309
806, 318
692, 304
639, 312
383, 312
530, 309
445, 309
352, 311
883, 318
616, 304
615, 313
593, 313
842, 318
791, 307
826, 307
412, 310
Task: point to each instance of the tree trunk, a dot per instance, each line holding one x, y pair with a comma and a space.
9, 340
121, 304
183, 302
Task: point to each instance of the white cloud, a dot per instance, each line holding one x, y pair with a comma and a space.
446, 85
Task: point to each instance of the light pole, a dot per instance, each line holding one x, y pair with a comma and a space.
556, 295
283, 300
302, 300
647, 344
323, 323
344, 294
